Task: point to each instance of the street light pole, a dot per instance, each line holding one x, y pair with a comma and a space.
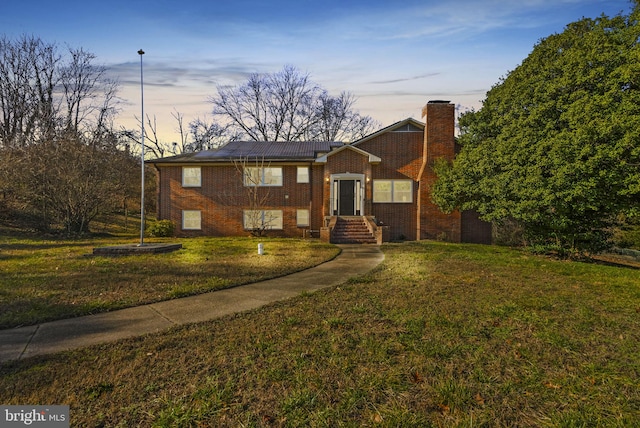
141, 52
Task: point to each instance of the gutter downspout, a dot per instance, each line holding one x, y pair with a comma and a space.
420, 173
158, 199
311, 213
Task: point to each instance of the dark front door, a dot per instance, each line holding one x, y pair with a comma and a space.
346, 201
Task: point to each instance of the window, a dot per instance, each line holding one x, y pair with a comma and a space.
400, 191
191, 176
271, 176
382, 191
302, 217
303, 174
191, 220
262, 219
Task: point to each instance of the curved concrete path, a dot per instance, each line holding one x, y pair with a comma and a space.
72, 333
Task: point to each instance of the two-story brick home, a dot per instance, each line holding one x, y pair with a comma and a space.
372, 190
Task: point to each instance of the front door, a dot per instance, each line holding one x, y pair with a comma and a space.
347, 195
346, 200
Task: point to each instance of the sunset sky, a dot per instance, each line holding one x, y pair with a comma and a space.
393, 56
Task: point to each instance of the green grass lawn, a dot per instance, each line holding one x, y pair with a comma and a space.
438, 335
47, 280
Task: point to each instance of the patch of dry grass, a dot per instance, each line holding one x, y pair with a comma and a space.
438, 335
46, 280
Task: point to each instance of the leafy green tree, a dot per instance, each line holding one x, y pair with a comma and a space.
556, 144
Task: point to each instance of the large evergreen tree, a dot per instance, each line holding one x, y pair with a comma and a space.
556, 144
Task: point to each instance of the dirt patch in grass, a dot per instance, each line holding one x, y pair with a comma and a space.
618, 260
438, 335
47, 280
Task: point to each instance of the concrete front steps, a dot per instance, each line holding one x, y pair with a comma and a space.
352, 230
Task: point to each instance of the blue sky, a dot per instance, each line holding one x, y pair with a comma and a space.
394, 56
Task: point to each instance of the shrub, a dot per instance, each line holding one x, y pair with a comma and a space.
627, 235
160, 228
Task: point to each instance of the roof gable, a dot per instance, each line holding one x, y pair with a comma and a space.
372, 158
407, 125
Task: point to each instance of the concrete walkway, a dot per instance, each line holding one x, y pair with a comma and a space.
73, 333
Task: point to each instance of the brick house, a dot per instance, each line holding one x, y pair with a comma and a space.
373, 190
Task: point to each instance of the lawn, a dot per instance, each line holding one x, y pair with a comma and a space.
47, 280
438, 335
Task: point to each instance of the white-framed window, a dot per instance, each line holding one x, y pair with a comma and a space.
263, 176
262, 219
382, 191
303, 174
403, 191
396, 191
191, 220
191, 176
302, 217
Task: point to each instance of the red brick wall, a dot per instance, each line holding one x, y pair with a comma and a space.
475, 230
401, 154
439, 141
222, 199
317, 179
345, 161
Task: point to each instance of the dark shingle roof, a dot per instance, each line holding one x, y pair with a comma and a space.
267, 150
281, 150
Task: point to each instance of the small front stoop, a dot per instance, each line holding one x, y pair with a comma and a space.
352, 230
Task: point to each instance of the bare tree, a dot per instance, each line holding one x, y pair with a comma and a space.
253, 204
152, 142
183, 145
209, 135
195, 136
287, 106
85, 91
61, 162
338, 121
69, 182
28, 78
44, 94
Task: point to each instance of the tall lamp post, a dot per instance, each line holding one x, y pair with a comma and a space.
141, 52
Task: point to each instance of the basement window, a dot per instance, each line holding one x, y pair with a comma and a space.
191, 220
262, 219
302, 217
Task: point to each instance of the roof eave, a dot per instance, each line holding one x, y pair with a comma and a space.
190, 161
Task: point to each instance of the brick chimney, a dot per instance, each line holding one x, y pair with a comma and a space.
439, 143
439, 130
